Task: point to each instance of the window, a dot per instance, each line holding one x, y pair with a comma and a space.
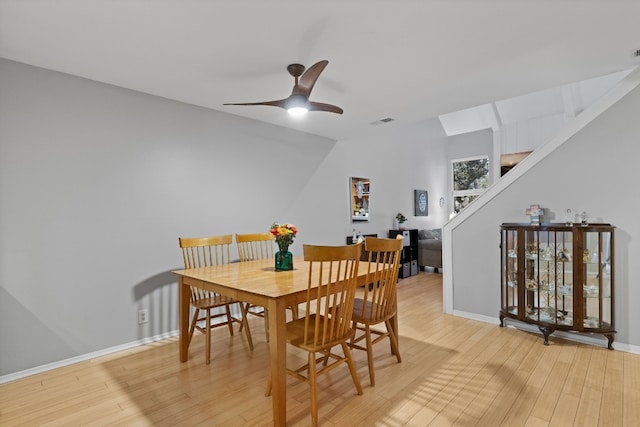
470, 178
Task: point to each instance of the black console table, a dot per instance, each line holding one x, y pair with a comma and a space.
364, 256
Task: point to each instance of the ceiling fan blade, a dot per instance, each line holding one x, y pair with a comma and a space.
279, 103
308, 79
319, 106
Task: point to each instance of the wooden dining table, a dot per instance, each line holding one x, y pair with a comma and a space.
256, 282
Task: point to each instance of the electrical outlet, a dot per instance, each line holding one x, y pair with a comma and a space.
143, 316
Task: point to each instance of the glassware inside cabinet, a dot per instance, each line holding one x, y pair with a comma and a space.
531, 276
548, 288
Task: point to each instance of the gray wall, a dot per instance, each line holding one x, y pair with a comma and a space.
594, 170
97, 183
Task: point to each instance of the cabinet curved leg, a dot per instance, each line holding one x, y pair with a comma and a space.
546, 331
501, 320
610, 338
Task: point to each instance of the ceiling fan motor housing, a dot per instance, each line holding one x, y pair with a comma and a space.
295, 70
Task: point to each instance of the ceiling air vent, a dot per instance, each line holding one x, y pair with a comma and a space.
382, 121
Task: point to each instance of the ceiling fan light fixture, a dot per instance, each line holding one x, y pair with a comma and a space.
297, 111
297, 105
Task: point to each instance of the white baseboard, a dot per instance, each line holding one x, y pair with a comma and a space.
54, 365
577, 337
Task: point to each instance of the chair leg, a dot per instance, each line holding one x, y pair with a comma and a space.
352, 367
267, 392
367, 333
229, 319
394, 341
246, 307
208, 335
294, 311
245, 322
325, 359
192, 328
313, 386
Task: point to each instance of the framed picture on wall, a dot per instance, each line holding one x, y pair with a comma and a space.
360, 190
421, 202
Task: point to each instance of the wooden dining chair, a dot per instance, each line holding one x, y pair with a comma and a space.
378, 302
327, 317
202, 252
256, 246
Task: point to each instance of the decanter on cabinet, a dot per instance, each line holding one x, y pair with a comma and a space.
559, 277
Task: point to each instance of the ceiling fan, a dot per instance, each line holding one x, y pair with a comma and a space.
298, 102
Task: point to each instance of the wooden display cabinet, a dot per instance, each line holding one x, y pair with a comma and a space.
559, 277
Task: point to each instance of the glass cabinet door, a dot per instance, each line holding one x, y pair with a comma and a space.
596, 283
509, 272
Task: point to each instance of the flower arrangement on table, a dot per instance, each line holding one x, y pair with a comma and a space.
400, 218
284, 234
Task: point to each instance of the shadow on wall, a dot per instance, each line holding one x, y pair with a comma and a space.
19, 344
158, 295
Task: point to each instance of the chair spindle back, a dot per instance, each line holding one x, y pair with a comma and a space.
382, 278
255, 246
200, 252
330, 293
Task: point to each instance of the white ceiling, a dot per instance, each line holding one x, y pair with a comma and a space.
406, 59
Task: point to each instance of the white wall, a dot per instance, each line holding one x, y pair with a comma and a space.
97, 183
594, 170
397, 160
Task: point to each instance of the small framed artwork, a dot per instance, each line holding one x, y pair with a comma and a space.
421, 199
360, 199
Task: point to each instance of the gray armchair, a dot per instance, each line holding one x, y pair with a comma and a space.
430, 248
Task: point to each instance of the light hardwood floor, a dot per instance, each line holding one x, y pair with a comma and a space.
454, 371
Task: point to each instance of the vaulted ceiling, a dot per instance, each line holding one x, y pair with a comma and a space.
408, 60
